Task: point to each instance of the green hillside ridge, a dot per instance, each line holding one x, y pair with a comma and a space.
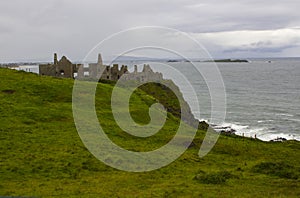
41, 153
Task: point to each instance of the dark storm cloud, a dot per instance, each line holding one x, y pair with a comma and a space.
35, 29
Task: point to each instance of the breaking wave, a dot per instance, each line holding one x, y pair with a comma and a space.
262, 133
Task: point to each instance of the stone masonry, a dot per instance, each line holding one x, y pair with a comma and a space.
66, 69
62, 68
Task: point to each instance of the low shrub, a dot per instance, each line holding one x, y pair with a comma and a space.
214, 178
279, 169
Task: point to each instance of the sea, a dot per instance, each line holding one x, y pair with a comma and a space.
262, 96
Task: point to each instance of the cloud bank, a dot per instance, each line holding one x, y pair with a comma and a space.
33, 30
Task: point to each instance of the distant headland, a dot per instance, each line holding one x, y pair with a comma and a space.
216, 60
229, 61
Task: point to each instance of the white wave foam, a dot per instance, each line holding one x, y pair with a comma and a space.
296, 120
262, 133
264, 121
232, 126
251, 132
203, 120
284, 114
273, 136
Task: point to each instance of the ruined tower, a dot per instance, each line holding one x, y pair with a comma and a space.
100, 59
135, 69
55, 59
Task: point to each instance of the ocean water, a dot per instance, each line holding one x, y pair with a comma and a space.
28, 68
263, 97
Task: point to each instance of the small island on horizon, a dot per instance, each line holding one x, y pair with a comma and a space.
228, 61
214, 60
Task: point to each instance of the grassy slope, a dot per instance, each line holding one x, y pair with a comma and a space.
41, 153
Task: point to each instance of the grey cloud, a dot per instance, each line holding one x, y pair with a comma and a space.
261, 47
73, 27
243, 15
261, 44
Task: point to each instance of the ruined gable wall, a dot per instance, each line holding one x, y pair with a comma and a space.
64, 68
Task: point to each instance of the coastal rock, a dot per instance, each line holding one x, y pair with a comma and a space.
279, 139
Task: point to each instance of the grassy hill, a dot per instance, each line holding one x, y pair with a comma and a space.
41, 154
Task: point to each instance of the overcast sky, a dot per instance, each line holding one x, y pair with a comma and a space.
34, 29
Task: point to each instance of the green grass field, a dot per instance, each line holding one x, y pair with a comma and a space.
41, 153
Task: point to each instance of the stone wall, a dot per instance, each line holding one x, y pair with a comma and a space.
145, 75
65, 68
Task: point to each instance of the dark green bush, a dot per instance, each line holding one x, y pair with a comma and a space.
279, 169
214, 178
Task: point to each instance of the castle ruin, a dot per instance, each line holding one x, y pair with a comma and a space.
62, 68
66, 69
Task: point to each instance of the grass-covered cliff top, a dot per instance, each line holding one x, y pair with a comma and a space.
41, 154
